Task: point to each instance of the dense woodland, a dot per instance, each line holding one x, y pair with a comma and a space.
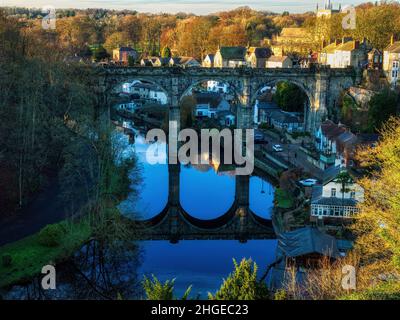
187, 34
40, 96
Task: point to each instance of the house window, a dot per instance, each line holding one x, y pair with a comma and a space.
333, 192
352, 194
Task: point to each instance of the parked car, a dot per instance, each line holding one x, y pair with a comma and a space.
308, 182
277, 148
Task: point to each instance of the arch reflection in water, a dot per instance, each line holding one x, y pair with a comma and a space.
150, 194
261, 200
206, 193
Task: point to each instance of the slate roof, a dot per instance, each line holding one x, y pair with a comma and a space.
211, 57
347, 46
183, 60
332, 130
346, 137
284, 117
333, 201
394, 48
233, 53
317, 198
306, 241
213, 98
329, 48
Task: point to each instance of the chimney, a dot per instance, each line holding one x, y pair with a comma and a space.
338, 41
356, 44
392, 40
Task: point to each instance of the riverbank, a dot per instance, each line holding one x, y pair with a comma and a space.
23, 259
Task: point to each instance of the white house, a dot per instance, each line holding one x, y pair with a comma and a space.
217, 86
149, 91
209, 104
208, 61
286, 121
256, 57
345, 53
334, 142
391, 62
279, 62
336, 199
231, 57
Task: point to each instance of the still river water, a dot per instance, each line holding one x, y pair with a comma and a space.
204, 194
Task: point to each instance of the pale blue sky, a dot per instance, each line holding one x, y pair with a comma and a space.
194, 6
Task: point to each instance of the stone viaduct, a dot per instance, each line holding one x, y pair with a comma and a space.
321, 84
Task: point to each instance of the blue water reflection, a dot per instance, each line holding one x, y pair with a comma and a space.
261, 197
205, 193
151, 193
202, 263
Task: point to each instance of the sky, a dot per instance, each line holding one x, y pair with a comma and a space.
173, 6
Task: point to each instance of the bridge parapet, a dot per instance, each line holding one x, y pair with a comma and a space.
322, 84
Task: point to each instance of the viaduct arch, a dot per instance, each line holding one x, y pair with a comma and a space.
321, 84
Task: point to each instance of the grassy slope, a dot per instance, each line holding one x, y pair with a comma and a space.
28, 256
387, 291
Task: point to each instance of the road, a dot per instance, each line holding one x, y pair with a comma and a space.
293, 155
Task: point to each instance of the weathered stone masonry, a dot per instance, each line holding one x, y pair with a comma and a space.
322, 85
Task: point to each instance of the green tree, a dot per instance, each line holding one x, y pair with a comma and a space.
242, 284
377, 225
100, 54
344, 179
382, 106
290, 97
155, 290
131, 61
166, 52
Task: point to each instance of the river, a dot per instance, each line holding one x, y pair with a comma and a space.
205, 194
